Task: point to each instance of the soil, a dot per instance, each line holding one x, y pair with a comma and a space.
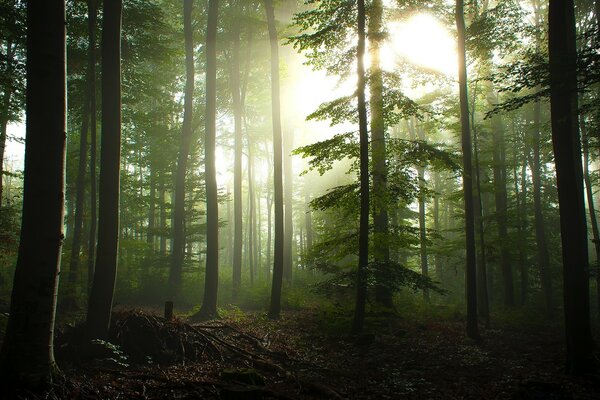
302, 356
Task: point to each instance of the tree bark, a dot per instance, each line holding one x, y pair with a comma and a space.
92, 16
101, 296
27, 354
569, 179
363, 236
381, 251
211, 281
178, 250
591, 207
275, 306
5, 114
237, 168
288, 191
471, 274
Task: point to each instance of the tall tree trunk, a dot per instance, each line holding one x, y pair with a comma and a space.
363, 235
521, 205
275, 306
163, 214
381, 251
152, 210
308, 224
422, 216
85, 122
237, 169
439, 273
569, 178
483, 302
92, 17
211, 281
590, 202
101, 296
499, 167
288, 191
250, 218
27, 354
178, 250
471, 272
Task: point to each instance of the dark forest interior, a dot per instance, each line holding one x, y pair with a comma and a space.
299, 199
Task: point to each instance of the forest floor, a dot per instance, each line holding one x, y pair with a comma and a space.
305, 355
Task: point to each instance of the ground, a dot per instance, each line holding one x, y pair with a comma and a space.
309, 355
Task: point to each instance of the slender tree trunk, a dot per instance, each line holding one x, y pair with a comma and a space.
92, 16
211, 282
178, 250
269, 232
250, 213
237, 169
543, 257
27, 354
499, 167
471, 272
101, 296
163, 215
275, 307
569, 178
83, 144
381, 252
308, 224
363, 238
152, 210
590, 202
439, 274
288, 144
422, 217
521, 206
483, 303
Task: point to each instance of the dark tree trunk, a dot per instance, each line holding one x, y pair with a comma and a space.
422, 216
471, 272
27, 355
381, 251
590, 201
92, 15
288, 190
101, 296
308, 225
439, 273
152, 210
363, 236
483, 303
569, 179
237, 169
178, 250
275, 307
163, 214
499, 167
83, 143
211, 281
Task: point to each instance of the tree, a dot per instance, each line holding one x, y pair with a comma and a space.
235, 83
27, 355
83, 143
211, 280
103, 286
562, 51
363, 238
92, 15
178, 250
471, 273
275, 306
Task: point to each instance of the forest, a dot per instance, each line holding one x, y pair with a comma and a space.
299, 199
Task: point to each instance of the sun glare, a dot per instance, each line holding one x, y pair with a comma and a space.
424, 41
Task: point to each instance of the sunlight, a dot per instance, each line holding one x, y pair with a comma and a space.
423, 41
